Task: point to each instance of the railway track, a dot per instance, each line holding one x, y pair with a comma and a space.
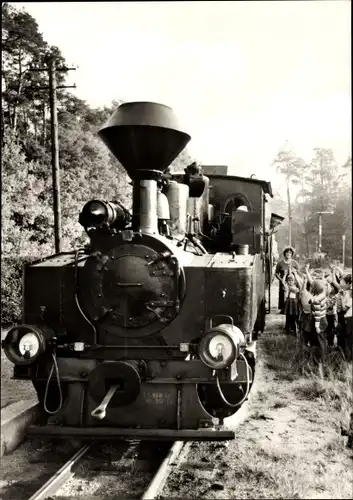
125, 477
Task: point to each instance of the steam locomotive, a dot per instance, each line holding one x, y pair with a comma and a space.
149, 332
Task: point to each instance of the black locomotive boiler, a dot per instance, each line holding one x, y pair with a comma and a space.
149, 332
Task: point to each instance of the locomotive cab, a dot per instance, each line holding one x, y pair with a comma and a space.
149, 330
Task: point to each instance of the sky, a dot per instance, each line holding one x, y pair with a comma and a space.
243, 77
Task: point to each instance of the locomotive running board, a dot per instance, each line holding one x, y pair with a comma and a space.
143, 434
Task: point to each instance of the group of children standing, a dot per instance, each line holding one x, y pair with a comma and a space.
317, 306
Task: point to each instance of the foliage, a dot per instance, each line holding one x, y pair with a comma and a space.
322, 186
87, 168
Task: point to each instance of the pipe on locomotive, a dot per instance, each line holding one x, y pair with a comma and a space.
144, 208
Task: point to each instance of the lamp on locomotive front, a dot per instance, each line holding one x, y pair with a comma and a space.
145, 137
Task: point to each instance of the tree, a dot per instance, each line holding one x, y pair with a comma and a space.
25, 210
290, 165
181, 162
21, 45
303, 194
323, 181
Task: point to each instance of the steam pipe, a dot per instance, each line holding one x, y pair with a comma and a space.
145, 206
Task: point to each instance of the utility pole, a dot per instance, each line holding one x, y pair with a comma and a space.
52, 70
320, 228
55, 155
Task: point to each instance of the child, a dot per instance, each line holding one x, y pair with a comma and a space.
305, 313
316, 274
343, 300
331, 311
319, 323
349, 327
291, 306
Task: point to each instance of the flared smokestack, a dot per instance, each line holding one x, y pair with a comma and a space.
145, 137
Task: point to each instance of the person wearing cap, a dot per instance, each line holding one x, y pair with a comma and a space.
287, 263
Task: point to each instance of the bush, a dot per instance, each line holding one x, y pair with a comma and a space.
12, 288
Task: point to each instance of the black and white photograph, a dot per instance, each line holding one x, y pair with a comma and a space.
176, 250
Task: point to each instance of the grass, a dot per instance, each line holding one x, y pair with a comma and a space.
13, 390
291, 446
311, 460
292, 362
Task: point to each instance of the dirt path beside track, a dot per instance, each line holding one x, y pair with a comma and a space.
290, 446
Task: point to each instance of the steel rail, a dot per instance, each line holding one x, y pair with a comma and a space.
61, 476
156, 485
160, 477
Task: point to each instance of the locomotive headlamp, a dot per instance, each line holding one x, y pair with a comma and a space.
97, 213
29, 345
220, 346
25, 343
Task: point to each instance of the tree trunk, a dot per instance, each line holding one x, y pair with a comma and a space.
44, 125
289, 214
321, 182
35, 123
19, 91
305, 219
25, 121
306, 236
2, 123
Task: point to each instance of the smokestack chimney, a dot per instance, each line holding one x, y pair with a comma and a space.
145, 137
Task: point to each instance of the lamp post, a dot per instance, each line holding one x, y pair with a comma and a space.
320, 228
